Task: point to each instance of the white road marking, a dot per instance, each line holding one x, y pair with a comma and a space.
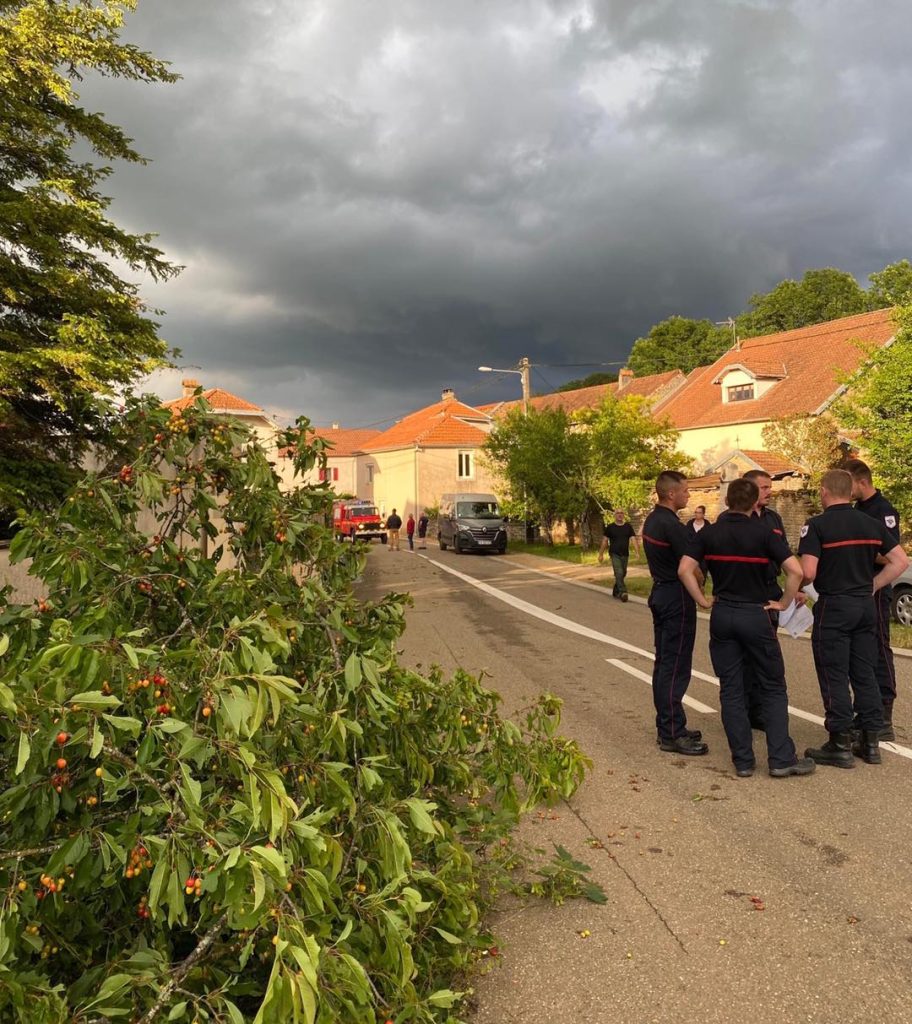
689, 701
593, 634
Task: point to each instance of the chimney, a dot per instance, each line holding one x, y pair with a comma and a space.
189, 385
447, 395
624, 378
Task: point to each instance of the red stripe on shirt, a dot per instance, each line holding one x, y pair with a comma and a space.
736, 558
850, 543
652, 540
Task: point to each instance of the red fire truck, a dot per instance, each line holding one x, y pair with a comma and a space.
357, 520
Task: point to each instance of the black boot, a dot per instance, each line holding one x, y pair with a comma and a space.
837, 751
887, 733
866, 747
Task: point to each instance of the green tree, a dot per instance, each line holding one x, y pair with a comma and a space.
878, 405
628, 448
820, 295
71, 328
588, 382
541, 462
224, 800
811, 442
678, 343
891, 286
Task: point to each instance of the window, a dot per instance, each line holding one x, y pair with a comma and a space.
370, 474
466, 468
329, 474
740, 392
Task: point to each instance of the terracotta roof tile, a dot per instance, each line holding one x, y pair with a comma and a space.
345, 442
815, 359
441, 425
220, 400
772, 462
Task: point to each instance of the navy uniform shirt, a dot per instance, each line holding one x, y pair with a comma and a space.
877, 507
618, 535
847, 542
739, 549
665, 543
773, 521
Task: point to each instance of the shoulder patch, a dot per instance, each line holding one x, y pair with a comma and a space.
804, 530
890, 521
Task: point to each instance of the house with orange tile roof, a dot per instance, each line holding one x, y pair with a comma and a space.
430, 452
348, 470
722, 409
224, 403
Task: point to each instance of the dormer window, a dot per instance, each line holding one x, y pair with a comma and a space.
740, 392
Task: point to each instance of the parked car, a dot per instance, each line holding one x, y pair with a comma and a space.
902, 598
471, 522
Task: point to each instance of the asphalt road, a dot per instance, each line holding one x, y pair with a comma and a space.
679, 844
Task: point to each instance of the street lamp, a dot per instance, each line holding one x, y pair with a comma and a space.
524, 368
523, 371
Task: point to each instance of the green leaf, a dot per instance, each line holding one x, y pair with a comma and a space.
25, 750
97, 743
449, 937
4, 644
259, 884
273, 859
130, 652
178, 1010
418, 812
233, 1012
95, 699
352, 672
444, 997
133, 726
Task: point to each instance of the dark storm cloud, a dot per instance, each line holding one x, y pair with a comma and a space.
373, 198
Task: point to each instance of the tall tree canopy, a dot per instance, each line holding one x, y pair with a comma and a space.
820, 295
879, 405
678, 343
72, 330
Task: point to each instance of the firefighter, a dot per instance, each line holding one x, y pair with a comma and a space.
674, 616
839, 550
738, 549
869, 500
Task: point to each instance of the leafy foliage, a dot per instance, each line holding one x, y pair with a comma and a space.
891, 286
810, 441
71, 329
879, 406
225, 800
678, 343
820, 295
590, 381
541, 461
561, 466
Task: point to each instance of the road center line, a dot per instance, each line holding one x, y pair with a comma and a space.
593, 634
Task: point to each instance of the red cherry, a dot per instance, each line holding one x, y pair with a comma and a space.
62, 737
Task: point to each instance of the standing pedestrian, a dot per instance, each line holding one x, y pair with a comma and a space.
869, 500
736, 549
422, 529
393, 526
771, 518
410, 531
695, 525
839, 552
617, 537
674, 616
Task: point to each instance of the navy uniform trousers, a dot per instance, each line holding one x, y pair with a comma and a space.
674, 623
885, 670
844, 641
745, 651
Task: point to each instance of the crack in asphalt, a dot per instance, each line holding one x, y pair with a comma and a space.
658, 913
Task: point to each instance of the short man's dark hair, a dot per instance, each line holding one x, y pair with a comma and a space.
755, 474
859, 470
700, 508
838, 482
668, 481
742, 495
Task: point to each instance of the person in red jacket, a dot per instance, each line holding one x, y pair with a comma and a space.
410, 531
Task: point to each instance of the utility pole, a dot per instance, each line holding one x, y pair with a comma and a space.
525, 369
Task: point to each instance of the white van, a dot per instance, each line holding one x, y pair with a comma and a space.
471, 522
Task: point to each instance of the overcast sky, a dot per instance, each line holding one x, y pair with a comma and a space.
373, 197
